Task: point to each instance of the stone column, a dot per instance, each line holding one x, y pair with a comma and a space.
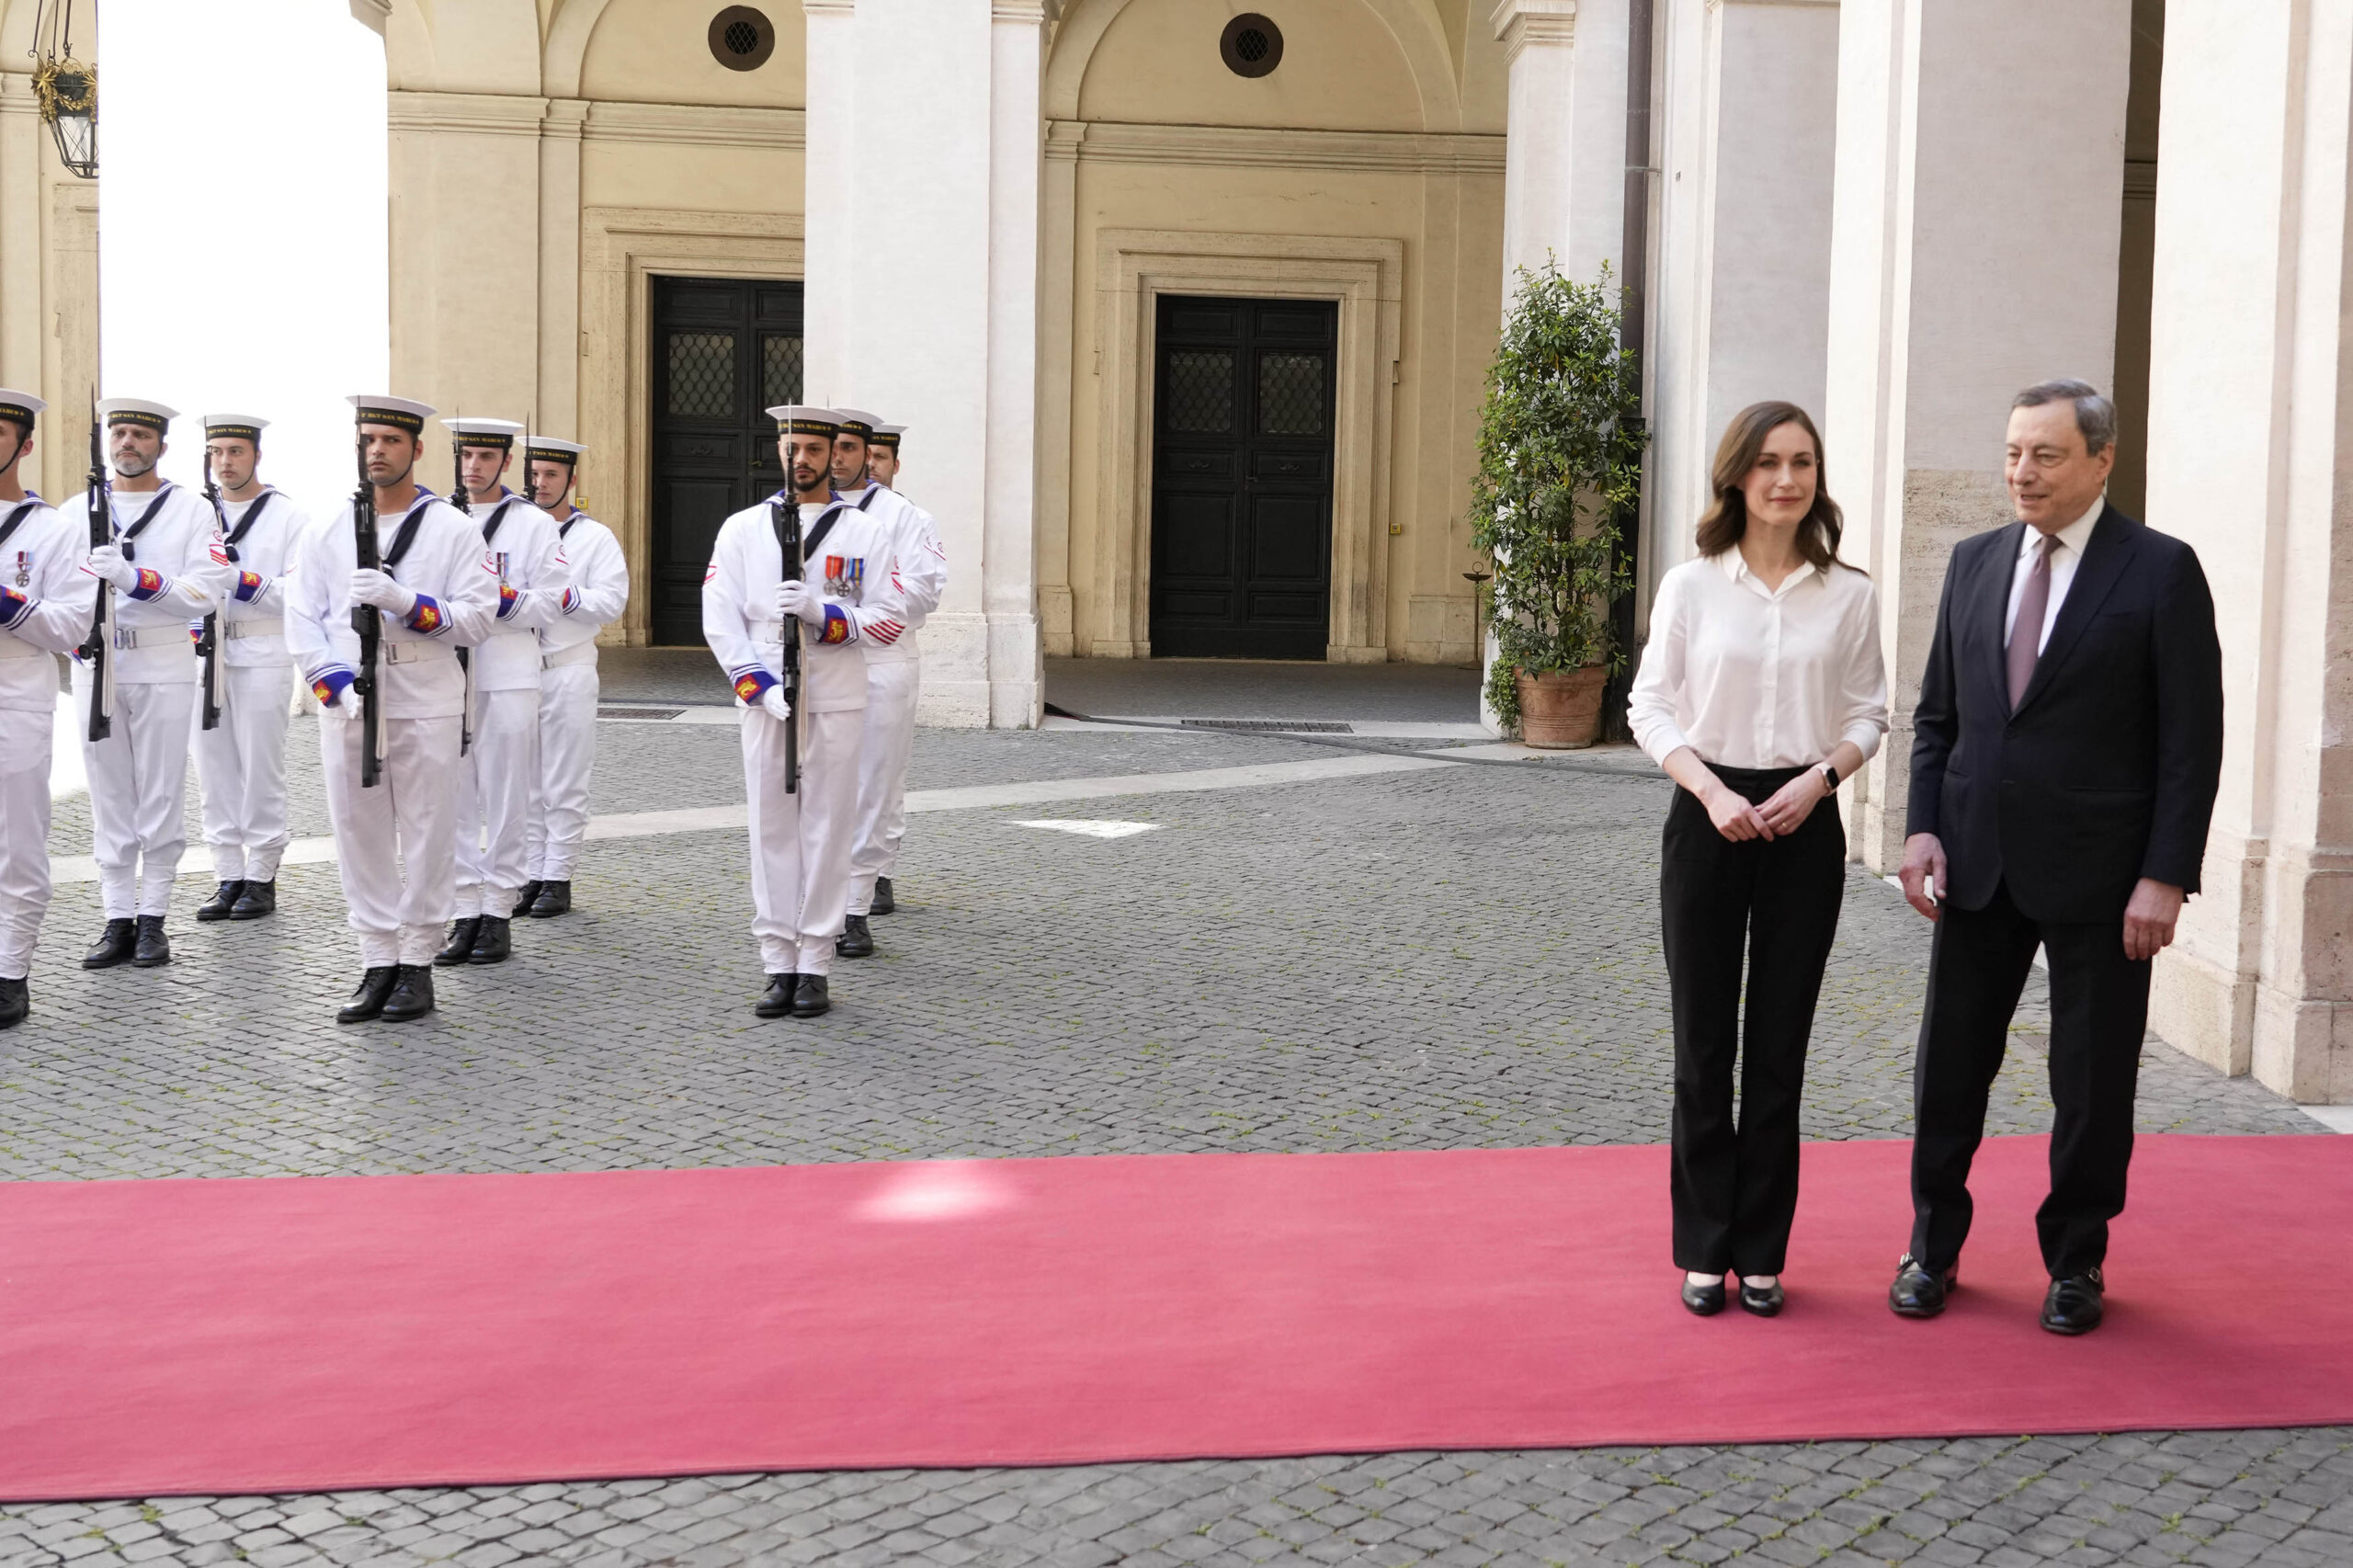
1973, 252
558, 406
829, 198
2250, 430
20, 137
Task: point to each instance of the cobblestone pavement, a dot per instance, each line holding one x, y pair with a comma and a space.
1429, 959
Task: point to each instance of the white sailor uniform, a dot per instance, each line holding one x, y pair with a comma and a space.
800, 843
139, 774
893, 681
407, 823
595, 591
501, 774
241, 762
46, 604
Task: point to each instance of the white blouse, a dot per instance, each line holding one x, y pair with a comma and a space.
1752, 678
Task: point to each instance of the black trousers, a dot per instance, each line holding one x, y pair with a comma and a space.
1735, 1185
2099, 1010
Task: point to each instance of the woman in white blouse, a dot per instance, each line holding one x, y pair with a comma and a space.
1761, 690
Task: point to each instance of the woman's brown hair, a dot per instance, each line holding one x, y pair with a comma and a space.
1727, 514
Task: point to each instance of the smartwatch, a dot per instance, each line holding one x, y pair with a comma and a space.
1830, 777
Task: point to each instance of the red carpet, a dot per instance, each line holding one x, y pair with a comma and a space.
296, 1335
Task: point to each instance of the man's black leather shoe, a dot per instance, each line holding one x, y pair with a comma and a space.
224, 898
150, 949
368, 1000
258, 900
809, 997
554, 899
412, 993
855, 941
525, 896
1763, 1302
494, 939
776, 1000
1917, 1293
1704, 1301
461, 945
2075, 1304
16, 1001
883, 900
113, 947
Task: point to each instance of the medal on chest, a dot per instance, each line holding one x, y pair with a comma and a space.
846, 577
24, 570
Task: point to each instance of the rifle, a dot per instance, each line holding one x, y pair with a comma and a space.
207, 641
368, 622
464, 504
785, 518
97, 651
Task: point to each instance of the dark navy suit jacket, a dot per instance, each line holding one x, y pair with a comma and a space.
2105, 772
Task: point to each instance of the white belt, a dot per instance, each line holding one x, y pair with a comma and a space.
578, 653
235, 629
15, 648
416, 653
512, 632
126, 638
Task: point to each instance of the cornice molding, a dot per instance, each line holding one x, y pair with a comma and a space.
1519, 24
1260, 147
475, 114
696, 125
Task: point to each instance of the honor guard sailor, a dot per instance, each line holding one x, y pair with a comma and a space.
240, 761
396, 836
595, 591
765, 614
46, 601
893, 676
166, 565
500, 775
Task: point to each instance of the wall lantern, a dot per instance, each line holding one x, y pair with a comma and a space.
68, 90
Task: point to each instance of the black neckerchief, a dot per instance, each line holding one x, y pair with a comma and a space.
129, 550
15, 519
564, 527
406, 535
245, 524
816, 536
498, 516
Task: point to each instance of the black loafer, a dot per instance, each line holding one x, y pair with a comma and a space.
16, 1001
1761, 1303
1917, 1293
258, 900
776, 1000
2076, 1304
525, 896
809, 997
224, 898
150, 949
855, 941
554, 899
494, 940
368, 1000
412, 993
114, 946
884, 902
1703, 1300
461, 945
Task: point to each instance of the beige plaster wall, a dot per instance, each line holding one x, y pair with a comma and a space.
49, 263
655, 52
1158, 63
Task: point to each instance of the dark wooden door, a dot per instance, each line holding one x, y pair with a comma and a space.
1241, 478
725, 351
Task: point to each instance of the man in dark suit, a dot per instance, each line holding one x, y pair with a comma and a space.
2065, 754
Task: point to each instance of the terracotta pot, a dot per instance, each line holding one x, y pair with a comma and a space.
1560, 709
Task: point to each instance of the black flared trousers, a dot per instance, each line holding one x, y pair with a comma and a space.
1775, 903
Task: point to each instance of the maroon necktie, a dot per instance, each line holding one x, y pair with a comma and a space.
2026, 631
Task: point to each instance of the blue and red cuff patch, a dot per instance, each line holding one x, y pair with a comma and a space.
14, 607
425, 616
571, 600
508, 601
752, 685
837, 626
251, 585
330, 683
151, 585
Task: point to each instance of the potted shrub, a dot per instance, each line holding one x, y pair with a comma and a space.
1558, 465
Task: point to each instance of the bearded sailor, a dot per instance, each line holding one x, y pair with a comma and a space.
46, 603
893, 679
755, 596
396, 839
595, 591
500, 775
167, 565
240, 761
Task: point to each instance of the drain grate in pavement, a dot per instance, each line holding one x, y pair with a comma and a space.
639, 712
1312, 726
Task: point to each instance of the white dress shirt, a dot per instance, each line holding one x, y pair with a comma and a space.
2066, 554
1754, 677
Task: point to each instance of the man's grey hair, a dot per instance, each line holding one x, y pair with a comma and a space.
2095, 416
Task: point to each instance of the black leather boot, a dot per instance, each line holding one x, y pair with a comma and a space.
493, 941
16, 1001
461, 945
258, 900
153, 948
113, 947
809, 997
556, 898
883, 902
368, 1000
776, 1000
222, 900
855, 941
525, 896
412, 993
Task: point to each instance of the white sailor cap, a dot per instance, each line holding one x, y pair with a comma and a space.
805, 419
858, 422
399, 412
498, 433
548, 449
137, 411
235, 426
21, 406
887, 436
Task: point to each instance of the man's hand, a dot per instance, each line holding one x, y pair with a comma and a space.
2149, 918
1924, 872
1734, 817
799, 598
1794, 801
369, 586
106, 562
773, 703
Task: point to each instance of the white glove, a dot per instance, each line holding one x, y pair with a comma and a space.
369, 586
344, 709
773, 704
799, 598
107, 561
